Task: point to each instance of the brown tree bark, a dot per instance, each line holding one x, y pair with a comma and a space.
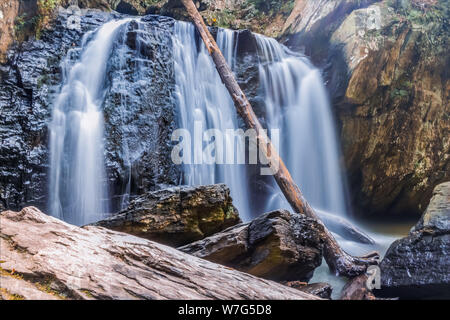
337, 259
356, 289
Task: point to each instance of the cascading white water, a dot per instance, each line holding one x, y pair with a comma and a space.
297, 104
78, 193
204, 101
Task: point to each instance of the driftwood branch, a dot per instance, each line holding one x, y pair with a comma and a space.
337, 259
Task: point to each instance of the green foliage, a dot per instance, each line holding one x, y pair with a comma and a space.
24, 26
224, 18
422, 11
431, 17
45, 13
20, 23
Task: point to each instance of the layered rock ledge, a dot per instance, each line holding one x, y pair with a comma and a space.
177, 216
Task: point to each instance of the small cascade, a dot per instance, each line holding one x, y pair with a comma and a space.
203, 101
78, 192
297, 104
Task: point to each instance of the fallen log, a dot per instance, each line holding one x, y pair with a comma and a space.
42, 257
337, 259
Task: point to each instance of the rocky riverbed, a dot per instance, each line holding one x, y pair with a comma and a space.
44, 258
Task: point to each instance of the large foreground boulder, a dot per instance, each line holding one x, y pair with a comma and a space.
178, 215
277, 246
418, 266
42, 257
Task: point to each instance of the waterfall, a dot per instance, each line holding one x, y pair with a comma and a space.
297, 104
78, 193
204, 101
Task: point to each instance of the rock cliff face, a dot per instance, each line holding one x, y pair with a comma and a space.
139, 110
386, 68
44, 258
29, 81
139, 106
8, 13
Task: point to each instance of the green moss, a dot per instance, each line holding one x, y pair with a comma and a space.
25, 26
229, 213
87, 293
42, 80
11, 273
10, 296
399, 93
152, 2
272, 6
45, 286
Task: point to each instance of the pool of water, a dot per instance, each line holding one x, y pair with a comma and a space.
384, 233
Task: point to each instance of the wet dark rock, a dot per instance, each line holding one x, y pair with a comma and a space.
139, 106
320, 289
418, 266
140, 110
276, 246
177, 216
45, 258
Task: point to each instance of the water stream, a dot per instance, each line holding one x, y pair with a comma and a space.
297, 103
204, 101
78, 193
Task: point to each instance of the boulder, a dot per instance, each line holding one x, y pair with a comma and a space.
178, 215
418, 266
276, 246
42, 257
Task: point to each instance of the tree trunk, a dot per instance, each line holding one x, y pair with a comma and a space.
356, 289
337, 259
